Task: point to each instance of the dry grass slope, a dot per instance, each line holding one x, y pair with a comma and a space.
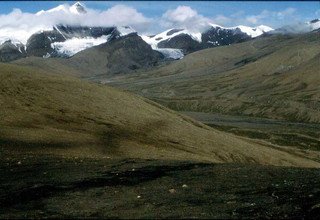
275, 77
55, 114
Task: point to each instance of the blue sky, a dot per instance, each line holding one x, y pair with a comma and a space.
305, 9
271, 13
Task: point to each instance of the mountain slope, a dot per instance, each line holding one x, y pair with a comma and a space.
122, 55
65, 41
46, 114
11, 51
275, 77
215, 35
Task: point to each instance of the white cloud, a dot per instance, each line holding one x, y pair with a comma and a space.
232, 20
118, 15
222, 20
184, 17
20, 25
265, 17
181, 14
285, 13
255, 19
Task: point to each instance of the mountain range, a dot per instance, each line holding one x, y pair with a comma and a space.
65, 40
213, 36
230, 79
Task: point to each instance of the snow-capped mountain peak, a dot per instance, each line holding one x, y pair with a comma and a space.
250, 31
264, 28
314, 24
125, 30
76, 8
15, 42
60, 8
300, 27
198, 36
255, 31
169, 34
215, 25
11, 40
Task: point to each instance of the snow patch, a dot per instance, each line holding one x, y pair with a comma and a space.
46, 56
213, 42
75, 45
253, 32
167, 52
154, 40
171, 53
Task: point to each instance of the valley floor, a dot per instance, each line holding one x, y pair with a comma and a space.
299, 135
34, 186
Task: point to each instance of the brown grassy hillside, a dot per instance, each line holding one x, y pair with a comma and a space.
275, 77
43, 113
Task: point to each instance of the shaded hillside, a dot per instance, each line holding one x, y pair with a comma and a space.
275, 77
39, 44
52, 114
65, 41
122, 55
11, 51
